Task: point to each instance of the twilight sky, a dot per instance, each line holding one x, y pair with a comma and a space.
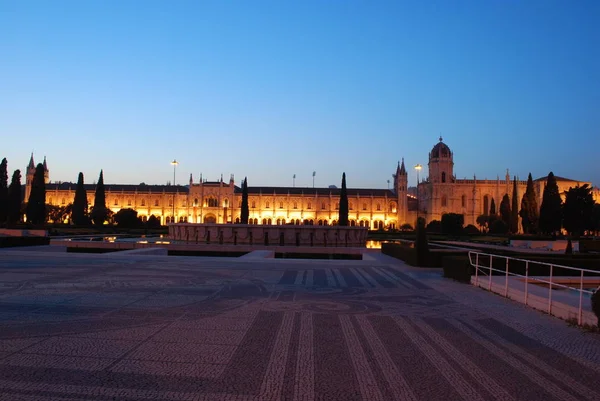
268, 89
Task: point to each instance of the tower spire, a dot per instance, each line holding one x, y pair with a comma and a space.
31, 163
402, 168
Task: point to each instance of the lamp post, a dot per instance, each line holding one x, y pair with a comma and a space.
174, 163
418, 167
314, 173
294, 181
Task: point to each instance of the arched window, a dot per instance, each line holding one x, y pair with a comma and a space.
486, 204
212, 202
364, 206
281, 205
334, 223
116, 201
308, 206
352, 223
63, 201
295, 205
463, 201
237, 220
253, 204
269, 221
196, 202
351, 206
323, 205
320, 222
444, 201
392, 207
378, 207
143, 202
264, 221
226, 202
156, 202
129, 202
50, 200
267, 205
443, 176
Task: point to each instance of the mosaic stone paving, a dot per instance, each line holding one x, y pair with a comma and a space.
133, 328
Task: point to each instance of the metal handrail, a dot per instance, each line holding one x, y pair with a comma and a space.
487, 271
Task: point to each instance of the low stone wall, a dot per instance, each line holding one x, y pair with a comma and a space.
267, 235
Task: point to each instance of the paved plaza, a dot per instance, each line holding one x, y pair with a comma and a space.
139, 327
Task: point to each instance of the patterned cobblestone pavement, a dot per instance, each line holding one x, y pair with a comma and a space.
134, 328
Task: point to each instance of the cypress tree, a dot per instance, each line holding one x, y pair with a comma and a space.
343, 220
80, 204
13, 214
529, 211
505, 210
245, 213
36, 205
551, 209
99, 211
514, 210
3, 191
493, 208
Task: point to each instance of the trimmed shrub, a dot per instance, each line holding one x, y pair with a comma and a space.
458, 268
471, 230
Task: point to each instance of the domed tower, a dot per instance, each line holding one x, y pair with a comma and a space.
401, 189
441, 164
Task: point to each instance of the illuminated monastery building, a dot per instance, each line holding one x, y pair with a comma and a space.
220, 201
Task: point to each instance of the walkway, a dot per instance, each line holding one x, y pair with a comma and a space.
138, 327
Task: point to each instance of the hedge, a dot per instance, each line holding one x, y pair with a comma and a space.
404, 252
458, 268
9, 242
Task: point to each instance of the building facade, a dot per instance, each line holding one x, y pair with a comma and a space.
219, 201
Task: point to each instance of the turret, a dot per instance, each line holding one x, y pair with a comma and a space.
46, 172
30, 172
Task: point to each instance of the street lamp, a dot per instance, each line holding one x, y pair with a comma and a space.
174, 163
314, 173
418, 167
294, 180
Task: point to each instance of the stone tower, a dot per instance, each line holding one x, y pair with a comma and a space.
29, 173
401, 189
441, 164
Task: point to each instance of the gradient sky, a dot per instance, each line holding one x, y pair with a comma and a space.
268, 89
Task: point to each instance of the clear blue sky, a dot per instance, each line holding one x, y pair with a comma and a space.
268, 89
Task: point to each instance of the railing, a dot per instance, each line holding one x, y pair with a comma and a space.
485, 272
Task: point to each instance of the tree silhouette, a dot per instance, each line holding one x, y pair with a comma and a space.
13, 214
529, 210
343, 220
578, 209
36, 205
551, 209
3, 191
505, 210
493, 208
514, 210
80, 204
100, 212
245, 212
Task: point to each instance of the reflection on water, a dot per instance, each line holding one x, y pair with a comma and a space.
374, 244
